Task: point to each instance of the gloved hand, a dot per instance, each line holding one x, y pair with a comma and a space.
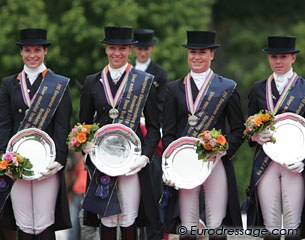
138, 164
52, 169
216, 156
169, 182
297, 167
88, 147
263, 137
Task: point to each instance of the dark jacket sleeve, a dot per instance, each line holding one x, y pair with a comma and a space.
6, 116
61, 129
152, 124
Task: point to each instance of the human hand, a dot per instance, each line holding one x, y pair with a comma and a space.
138, 164
262, 138
214, 157
168, 181
88, 147
52, 169
297, 167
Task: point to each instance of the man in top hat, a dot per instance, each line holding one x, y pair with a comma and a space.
277, 190
112, 96
218, 103
39, 206
143, 48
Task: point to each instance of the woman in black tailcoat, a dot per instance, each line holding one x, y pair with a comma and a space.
220, 189
36, 207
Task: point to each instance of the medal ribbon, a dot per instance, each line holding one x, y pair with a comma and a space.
113, 101
24, 88
284, 94
193, 106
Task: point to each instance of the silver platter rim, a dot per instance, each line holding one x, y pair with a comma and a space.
287, 122
103, 158
45, 139
192, 172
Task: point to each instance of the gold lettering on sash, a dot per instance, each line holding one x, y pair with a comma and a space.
301, 106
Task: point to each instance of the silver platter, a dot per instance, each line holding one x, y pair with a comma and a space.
116, 148
37, 146
180, 163
289, 133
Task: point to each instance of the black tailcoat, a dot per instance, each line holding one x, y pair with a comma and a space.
12, 111
175, 120
95, 108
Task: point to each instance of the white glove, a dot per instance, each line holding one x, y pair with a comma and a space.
52, 169
88, 147
215, 157
297, 167
263, 137
169, 182
138, 164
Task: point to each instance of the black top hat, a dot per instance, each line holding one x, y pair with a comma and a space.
118, 35
201, 40
33, 36
144, 38
281, 45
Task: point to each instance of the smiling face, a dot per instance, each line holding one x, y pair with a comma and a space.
117, 55
281, 63
199, 60
33, 56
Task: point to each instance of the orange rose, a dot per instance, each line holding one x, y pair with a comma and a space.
258, 121
207, 147
265, 117
4, 164
81, 137
221, 139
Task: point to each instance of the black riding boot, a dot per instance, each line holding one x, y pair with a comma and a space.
47, 234
25, 236
129, 233
108, 233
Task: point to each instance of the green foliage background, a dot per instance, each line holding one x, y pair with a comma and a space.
75, 28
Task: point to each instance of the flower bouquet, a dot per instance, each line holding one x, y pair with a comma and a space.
80, 134
211, 143
15, 165
255, 124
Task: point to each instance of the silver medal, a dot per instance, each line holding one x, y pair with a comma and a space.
113, 113
192, 120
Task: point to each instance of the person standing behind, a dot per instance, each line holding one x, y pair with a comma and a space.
139, 207
277, 190
183, 118
143, 49
39, 206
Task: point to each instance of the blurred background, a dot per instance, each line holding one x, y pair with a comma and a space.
75, 28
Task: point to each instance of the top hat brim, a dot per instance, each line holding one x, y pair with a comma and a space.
34, 43
118, 42
145, 44
279, 50
201, 46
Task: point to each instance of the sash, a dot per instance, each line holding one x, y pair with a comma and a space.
293, 102
134, 98
45, 102
101, 197
211, 106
